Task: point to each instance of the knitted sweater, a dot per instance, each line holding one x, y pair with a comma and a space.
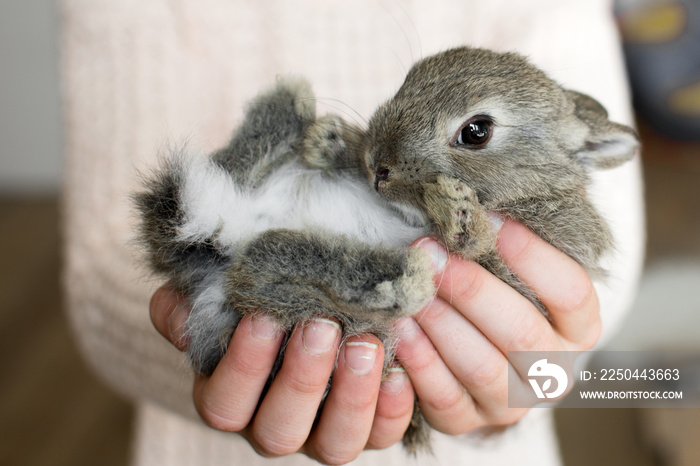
137, 75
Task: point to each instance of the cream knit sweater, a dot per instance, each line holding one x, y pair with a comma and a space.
138, 75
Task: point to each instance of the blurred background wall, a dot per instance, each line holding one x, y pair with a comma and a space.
30, 125
53, 411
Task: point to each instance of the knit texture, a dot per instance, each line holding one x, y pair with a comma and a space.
140, 75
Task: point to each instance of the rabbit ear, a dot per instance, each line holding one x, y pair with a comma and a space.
606, 144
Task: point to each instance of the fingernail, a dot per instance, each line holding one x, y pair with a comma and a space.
176, 326
438, 255
319, 335
264, 327
406, 328
495, 220
395, 381
360, 356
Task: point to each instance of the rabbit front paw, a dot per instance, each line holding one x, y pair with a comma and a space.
461, 221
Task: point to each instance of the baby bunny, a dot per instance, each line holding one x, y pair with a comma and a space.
255, 228
300, 216
473, 132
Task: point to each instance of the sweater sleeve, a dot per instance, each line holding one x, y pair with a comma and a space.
137, 75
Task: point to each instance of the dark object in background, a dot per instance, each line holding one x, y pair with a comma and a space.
662, 49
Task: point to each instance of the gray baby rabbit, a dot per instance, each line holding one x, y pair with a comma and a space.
302, 216
472, 131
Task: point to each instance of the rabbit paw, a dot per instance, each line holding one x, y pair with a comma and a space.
406, 294
461, 221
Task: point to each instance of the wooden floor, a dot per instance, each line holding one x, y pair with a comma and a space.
54, 412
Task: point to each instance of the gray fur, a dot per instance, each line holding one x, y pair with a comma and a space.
185, 263
535, 168
409, 171
270, 134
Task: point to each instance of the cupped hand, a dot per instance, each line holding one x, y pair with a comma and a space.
359, 412
455, 350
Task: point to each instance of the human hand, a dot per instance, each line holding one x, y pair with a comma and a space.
360, 411
455, 350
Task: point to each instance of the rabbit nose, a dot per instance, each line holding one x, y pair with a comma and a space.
381, 174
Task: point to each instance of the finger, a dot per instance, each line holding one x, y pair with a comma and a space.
169, 312
560, 282
474, 360
443, 399
348, 412
286, 414
502, 314
227, 399
394, 410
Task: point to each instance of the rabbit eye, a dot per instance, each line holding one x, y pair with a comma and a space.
381, 174
475, 133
